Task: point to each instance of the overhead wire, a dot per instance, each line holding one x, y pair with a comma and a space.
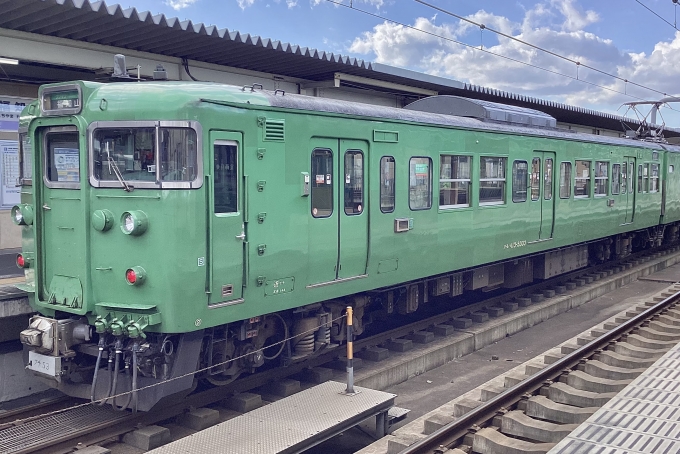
552, 71
656, 14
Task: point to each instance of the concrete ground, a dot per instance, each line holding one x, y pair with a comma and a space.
430, 390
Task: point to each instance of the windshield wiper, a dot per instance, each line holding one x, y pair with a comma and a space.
116, 171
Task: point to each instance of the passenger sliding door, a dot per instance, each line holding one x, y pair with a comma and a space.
542, 191
338, 228
226, 231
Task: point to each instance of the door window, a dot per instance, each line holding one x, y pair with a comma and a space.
354, 182
226, 178
535, 178
322, 183
62, 159
547, 178
624, 178
387, 184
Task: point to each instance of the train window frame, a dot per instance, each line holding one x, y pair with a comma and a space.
159, 182
413, 184
456, 178
654, 181
46, 133
601, 181
384, 183
641, 186
616, 178
326, 179
351, 179
535, 179
624, 177
25, 158
671, 168
502, 180
517, 180
586, 179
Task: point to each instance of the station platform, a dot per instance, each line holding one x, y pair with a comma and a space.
14, 308
643, 418
290, 425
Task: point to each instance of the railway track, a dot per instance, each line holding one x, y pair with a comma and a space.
541, 407
88, 425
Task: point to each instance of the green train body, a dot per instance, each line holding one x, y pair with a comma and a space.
243, 215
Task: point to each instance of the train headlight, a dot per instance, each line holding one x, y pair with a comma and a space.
134, 223
22, 214
135, 275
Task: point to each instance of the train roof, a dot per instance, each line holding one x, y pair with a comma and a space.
183, 93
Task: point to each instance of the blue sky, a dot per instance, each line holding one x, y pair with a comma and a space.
619, 37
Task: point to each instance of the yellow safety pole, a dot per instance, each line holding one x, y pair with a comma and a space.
350, 352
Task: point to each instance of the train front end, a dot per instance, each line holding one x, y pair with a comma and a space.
102, 276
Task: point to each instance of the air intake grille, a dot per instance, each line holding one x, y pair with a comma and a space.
275, 130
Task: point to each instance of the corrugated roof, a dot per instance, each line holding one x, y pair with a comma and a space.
112, 25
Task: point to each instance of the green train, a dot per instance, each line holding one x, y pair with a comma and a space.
170, 227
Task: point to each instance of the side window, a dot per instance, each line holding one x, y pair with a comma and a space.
565, 180
354, 182
547, 178
322, 183
178, 154
582, 179
226, 178
492, 180
640, 185
601, 178
420, 178
519, 181
454, 181
63, 158
616, 178
387, 184
654, 179
535, 179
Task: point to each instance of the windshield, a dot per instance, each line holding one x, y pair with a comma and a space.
133, 153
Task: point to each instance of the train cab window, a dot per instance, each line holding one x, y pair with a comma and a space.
519, 181
454, 181
547, 178
601, 178
354, 182
420, 182
25, 157
322, 183
124, 153
582, 179
178, 154
535, 179
387, 168
565, 180
616, 179
62, 166
226, 178
654, 178
492, 180
641, 180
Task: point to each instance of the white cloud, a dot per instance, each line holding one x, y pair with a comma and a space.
376, 3
179, 4
555, 25
243, 4
291, 3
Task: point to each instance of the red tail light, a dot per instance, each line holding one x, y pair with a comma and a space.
131, 276
135, 275
21, 261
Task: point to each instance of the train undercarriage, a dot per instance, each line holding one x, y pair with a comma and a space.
142, 371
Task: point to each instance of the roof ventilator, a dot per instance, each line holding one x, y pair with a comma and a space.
483, 110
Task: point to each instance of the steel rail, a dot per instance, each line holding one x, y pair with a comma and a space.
457, 429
